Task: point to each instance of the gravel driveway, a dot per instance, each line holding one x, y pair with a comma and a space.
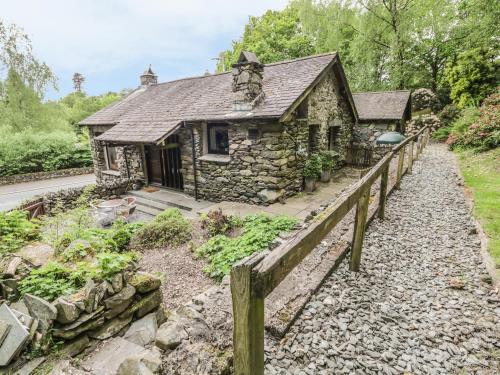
422, 302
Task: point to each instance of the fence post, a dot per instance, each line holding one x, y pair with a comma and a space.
382, 198
400, 167
427, 136
248, 319
410, 157
359, 229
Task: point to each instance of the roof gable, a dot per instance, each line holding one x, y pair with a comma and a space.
381, 105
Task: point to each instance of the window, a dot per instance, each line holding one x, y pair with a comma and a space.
111, 159
302, 110
333, 137
218, 139
313, 138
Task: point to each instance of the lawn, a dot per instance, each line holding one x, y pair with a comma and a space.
482, 176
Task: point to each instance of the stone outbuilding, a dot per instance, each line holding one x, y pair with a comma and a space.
241, 135
378, 113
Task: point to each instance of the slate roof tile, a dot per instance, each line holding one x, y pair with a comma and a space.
381, 105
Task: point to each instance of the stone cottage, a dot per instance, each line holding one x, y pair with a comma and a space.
378, 113
241, 135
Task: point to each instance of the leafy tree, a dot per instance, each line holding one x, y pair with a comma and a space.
472, 77
275, 36
16, 54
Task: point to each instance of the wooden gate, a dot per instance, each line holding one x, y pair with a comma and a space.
165, 164
360, 156
34, 208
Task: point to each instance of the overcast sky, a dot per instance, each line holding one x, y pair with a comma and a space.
112, 41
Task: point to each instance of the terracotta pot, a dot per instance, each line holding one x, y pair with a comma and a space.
326, 176
310, 184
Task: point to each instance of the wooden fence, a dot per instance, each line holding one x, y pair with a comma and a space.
33, 208
256, 277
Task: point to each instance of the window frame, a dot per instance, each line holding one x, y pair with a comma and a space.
109, 165
217, 151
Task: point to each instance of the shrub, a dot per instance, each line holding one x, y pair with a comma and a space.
109, 263
312, 167
49, 282
448, 114
16, 230
258, 232
168, 228
216, 222
328, 159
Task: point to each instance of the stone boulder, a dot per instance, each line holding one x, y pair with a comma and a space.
146, 304
42, 310
67, 312
144, 282
119, 302
143, 331
145, 363
270, 196
110, 328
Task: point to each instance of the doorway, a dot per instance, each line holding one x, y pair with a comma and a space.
165, 165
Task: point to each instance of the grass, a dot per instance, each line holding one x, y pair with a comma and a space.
482, 176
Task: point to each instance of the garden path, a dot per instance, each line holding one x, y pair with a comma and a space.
422, 301
14, 194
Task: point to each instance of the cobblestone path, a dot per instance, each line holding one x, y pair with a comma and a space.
421, 303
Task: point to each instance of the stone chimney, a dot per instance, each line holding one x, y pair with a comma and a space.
148, 77
247, 81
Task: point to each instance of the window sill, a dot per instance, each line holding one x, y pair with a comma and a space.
111, 172
216, 158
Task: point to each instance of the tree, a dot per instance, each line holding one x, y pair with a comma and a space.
473, 76
78, 80
275, 36
16, 54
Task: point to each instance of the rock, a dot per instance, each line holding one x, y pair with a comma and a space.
456, 283
16, 336
108, 359
148, 303
170, 335
110, 328
162, 314
30, 366
67, 312
143, 331
84, 323
144, 282
64, 367
270, 196
75, 347
147, 362
90, 293
117, 282
119, 302
42, 310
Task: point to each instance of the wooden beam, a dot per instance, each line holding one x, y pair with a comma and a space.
248, 319
410, 157
382, 199
282, 260
359, 230
400, 167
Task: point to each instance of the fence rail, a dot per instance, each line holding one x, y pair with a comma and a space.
33, 208
254, 278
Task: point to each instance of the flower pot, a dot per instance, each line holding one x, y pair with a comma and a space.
310, 184
326, 176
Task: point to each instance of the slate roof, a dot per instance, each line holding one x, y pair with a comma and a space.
381, 105
148, 114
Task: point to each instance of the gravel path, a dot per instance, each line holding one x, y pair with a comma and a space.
421, 304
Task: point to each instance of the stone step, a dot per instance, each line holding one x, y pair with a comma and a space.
147, 210
158, 203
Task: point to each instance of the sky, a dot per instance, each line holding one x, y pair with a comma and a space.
111, 42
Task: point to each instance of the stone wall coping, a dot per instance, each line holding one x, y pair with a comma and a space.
36, 176
215, 158
111, 172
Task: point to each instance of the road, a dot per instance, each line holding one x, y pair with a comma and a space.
13, 195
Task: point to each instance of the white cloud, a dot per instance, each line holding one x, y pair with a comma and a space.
103, 36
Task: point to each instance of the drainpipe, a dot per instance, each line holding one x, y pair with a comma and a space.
126, 162
194, 163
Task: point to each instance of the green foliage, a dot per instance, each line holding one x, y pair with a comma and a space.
258, 232
473, 76
275, 36
313, 166
216, 222
16, 230
50, 281
109, 263
328, 159
479, 131
449, 114
170, 228
442, 134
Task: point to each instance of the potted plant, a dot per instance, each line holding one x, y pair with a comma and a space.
312, 171
327, 162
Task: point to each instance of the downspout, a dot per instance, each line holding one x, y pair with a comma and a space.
126, 162
195, 180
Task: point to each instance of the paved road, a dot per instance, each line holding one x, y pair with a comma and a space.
13, 195
422, 302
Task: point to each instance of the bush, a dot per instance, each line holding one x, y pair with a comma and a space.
16, 230
216, 222
328, 159
449, 114
258, 233
313, 167
168, 228
29, 151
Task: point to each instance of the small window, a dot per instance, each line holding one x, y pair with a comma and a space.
313, 138
218, 139
111, 158
253, 133
333, 137
302, 110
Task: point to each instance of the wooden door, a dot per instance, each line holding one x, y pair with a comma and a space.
173, 163
155, 165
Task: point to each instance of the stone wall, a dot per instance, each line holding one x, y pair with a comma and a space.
366, 134
37, 176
